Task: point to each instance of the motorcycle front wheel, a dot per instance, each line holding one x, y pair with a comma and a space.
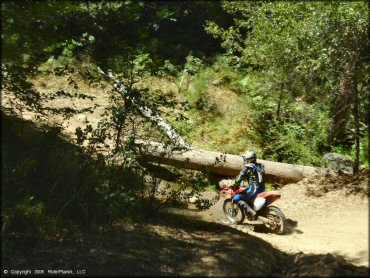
233, 212
277, 220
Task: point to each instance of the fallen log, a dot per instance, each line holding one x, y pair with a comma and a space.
220, 163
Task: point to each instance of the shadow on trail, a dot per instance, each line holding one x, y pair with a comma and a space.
176, 245
290, 228
214, 246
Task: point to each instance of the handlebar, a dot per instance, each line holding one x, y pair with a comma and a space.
229, 190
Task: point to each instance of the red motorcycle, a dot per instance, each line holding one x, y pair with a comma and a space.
271, 216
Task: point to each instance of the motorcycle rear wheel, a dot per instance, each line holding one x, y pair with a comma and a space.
277, 217
233, 212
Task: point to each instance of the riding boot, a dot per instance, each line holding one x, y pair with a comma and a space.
247, 208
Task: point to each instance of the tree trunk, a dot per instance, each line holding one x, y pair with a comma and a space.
221, 163
341, 108
279, 105
356, 163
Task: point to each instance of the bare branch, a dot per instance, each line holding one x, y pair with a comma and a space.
148, 113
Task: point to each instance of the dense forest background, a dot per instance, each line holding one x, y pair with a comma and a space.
287, 79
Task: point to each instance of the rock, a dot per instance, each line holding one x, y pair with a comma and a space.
217, 82
193, 199
338, 162
82, 118
313, 191
218, 68
225, 183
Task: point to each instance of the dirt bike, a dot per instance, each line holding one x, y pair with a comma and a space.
271, 216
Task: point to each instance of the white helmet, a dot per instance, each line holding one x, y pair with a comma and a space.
250, 157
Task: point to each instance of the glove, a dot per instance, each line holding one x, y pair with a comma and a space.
234, 186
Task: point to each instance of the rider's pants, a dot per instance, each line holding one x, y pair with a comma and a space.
246, 198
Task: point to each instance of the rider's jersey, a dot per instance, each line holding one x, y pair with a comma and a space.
253, 174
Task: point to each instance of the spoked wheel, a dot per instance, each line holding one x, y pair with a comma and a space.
277, 218
233, 212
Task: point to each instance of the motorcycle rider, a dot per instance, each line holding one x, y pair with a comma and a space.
253, 174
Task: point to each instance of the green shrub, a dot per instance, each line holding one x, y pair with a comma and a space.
298, 135
364, 150
349, 150
168, 69
270, 187
193, 65
27, 217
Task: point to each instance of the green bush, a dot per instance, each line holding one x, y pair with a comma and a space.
198, 90
27, 217
349, 150
193, 65
168, 69
298, 135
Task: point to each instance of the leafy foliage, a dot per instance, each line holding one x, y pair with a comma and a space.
301, 52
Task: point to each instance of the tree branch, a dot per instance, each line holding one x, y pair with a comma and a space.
146, 112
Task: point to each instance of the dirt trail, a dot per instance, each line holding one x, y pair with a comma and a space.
333, 223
